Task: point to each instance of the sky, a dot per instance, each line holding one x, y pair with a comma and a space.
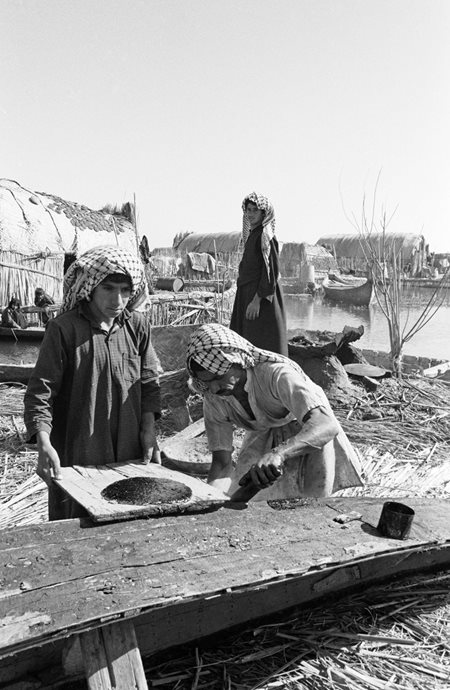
186, 106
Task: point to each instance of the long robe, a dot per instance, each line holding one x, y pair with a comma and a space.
89, 389
268, 331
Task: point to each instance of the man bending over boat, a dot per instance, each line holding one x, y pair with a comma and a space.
294, 445
94, 394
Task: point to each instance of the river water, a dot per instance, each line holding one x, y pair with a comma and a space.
321, 314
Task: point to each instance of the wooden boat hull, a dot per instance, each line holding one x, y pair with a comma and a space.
359, 295
16, 373
179, 578
34, 333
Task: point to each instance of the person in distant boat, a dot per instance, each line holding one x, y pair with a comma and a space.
294, 445
311, 289
12, 316
43, 300
94, 394
258, 311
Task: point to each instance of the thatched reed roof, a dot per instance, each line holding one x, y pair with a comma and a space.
210, 242
352, 245
38, 230
294, 255
40, 223
301, 252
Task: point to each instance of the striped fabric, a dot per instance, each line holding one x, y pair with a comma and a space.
215, 348
263, 204
92, 267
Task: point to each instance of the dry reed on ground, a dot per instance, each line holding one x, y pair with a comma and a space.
23, 495
402, 432
190, 308
394, 635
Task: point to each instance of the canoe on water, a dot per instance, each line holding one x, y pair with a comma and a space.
351, 292
32, 333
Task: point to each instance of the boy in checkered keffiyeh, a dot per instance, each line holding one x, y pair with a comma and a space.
94, 394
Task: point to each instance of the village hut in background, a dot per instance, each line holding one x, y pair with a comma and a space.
352, 254
306, 262
209, 255
441, 262
163, 262
41, 234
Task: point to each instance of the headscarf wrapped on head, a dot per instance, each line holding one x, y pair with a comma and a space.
268, 223
92, 267
14, 303
216, 348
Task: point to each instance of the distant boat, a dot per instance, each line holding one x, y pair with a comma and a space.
32, 333
348, 290
15, 373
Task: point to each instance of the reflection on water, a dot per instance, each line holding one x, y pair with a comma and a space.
324, 315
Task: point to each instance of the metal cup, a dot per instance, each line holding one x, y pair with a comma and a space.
395, 520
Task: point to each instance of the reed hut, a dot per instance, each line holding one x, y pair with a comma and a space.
351, 253
294, 256
224, 247
441, 261
40, 234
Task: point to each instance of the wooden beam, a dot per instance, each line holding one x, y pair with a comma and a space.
192, 431
179, 578
111, 658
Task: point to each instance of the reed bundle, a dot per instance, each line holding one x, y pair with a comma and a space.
189, 308
395, 635
27, 505
23, 495
22, 274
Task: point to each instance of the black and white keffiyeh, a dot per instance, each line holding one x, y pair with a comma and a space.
216, 348
92, 267
268, 233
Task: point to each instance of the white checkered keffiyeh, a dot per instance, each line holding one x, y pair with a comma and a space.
268, 233
88, 271
215, 348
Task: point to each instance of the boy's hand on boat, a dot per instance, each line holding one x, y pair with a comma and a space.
149, 444
49, 466
152, 455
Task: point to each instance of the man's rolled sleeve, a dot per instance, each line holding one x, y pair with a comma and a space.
297, 392
219, 430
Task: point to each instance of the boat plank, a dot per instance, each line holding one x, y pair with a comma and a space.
427, 523
84, 577
191, 619
179, 578
36, 333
